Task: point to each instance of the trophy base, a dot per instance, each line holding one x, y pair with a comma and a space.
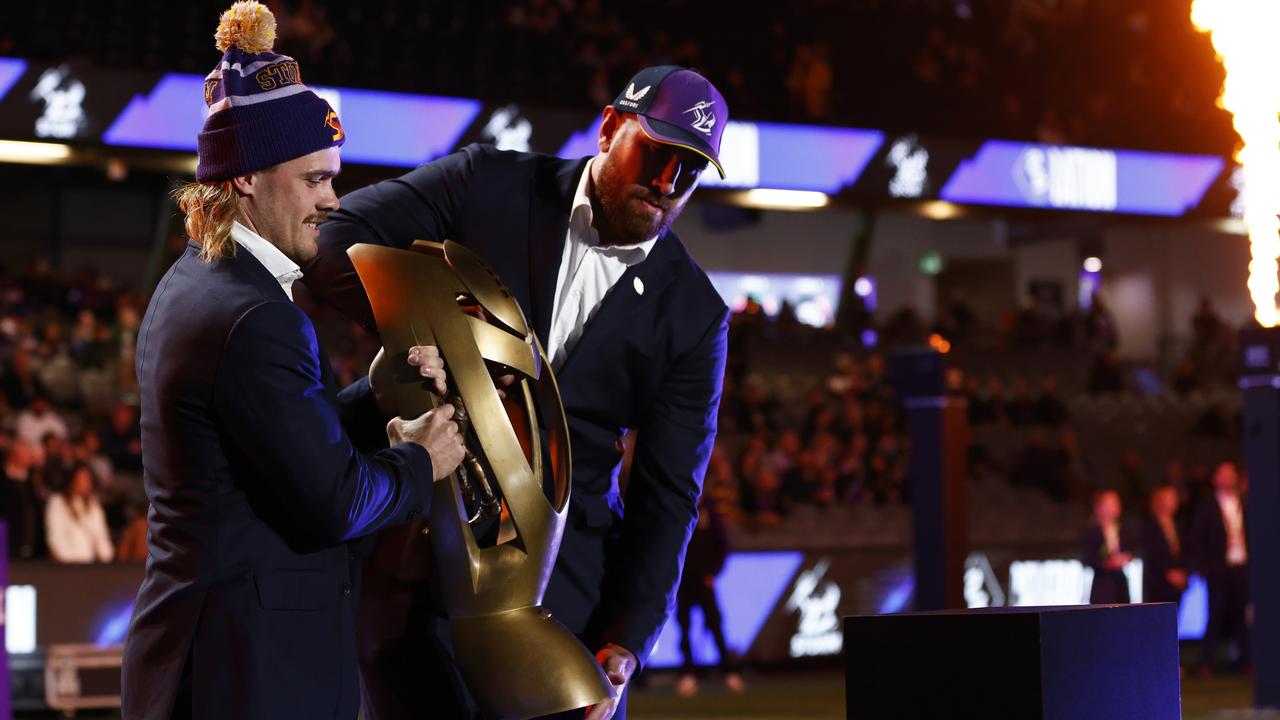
523, 664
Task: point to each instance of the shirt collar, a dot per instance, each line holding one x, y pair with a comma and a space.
284, 270
581, 212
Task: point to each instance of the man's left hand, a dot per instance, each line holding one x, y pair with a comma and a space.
426, 361
619, 663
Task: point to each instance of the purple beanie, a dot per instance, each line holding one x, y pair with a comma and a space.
260, 113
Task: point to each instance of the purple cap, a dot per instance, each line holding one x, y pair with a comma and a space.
677, 106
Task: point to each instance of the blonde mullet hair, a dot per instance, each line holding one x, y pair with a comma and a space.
210, 208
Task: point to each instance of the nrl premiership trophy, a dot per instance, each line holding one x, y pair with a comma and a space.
518, 661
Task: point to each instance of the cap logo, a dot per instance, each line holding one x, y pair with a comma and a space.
632, 96
703, 118
331, 120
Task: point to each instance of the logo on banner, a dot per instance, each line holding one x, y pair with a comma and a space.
63, 98
508, 130
911, 163
816, 599
1069, 178
703, 118
981, 588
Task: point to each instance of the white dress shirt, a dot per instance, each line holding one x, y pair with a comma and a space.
284, 270
588, 271
1233, 521
78, 536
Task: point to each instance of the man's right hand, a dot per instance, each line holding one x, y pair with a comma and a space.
435, 431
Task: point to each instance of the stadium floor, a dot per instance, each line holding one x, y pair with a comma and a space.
820, 696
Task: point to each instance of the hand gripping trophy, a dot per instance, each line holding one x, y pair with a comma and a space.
518, 661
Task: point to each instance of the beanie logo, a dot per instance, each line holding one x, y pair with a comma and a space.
209, 84
331, 120
279, 75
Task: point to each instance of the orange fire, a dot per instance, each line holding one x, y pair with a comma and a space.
1243, 34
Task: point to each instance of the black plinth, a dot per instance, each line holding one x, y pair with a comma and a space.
1260, 383
1095, 662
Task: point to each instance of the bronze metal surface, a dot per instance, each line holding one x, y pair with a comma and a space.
518, 661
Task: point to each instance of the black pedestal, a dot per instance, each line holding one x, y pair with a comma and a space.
1094, 662
939, 504
1260, 381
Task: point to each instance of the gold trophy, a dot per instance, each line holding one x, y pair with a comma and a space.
518, 661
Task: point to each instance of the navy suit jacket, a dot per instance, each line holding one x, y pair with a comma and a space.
255, 489
1207, 540
652, 361
1158, 559
1109, 585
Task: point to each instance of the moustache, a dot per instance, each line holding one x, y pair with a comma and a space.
665, 204
317, 219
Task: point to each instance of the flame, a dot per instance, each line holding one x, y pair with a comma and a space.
1243, 35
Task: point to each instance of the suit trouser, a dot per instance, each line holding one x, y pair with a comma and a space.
1228, 604
700, 595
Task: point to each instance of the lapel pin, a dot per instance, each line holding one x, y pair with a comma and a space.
639, 285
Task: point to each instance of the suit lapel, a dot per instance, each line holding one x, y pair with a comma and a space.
548, 225
626, 297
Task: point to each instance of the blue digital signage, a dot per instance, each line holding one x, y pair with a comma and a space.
383, 128
10, 70
1014, 174
74, 102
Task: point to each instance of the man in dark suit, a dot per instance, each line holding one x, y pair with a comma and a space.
246, 609
1219, 552
1103, 548
1164, 574
635, 332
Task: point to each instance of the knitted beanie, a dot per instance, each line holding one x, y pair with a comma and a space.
260, 113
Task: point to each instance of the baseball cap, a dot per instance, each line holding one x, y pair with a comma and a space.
677, 106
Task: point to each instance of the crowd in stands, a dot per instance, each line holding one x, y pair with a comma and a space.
825, 430
71, 488
837, 434
1092, 72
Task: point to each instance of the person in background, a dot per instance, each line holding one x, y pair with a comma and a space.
75, 524
133, 541
23, 495
703, 561
1164, 575
1219, 552
1103, 549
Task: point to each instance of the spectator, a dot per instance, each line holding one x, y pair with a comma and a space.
1049, 409
1131, 478
75, 524
122, 439
1164, 575
1042, 467
19, 380
1106, 377
23, 497
1219, 551
133, 541
58, 463
704, 561
1100, 328
1020, 409
1105, 550
39, 420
